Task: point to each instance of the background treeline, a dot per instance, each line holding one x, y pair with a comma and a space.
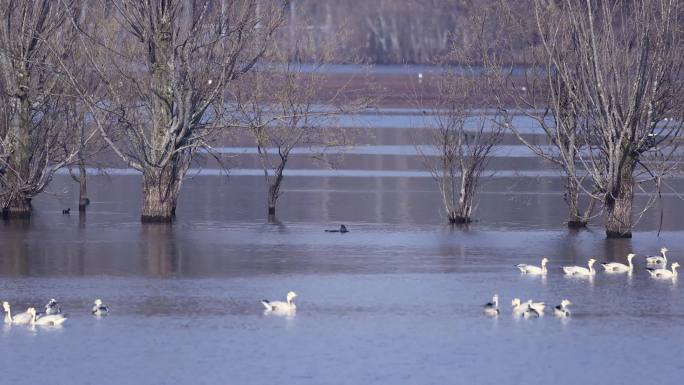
404, 31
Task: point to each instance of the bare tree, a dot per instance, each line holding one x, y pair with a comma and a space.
460, 140
618, 66
166, 75
542, 96
284, 107
34, 36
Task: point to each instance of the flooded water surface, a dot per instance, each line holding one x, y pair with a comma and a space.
397, 300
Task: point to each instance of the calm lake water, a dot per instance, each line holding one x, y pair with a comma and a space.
398, 300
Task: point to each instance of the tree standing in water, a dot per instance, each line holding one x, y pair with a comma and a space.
166, 74
35, 100
618, 66
288, 104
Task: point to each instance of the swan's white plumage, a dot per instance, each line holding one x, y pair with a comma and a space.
579, 270
616, 267
519, 308
492, 308
533, 270
46, 319
664, 273
19, 319
658, 259
561, 310
280, 306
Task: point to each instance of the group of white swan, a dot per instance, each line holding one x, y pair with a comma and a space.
529, 309
53, 311
51, 317
655, 265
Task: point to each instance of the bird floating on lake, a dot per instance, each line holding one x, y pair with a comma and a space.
664, 273
342, 229
66, 211
19, 319
280, 306
581, 271
533, 270
658, 259
519, 308
561, 310
616, 267
46, 319
53, 307
492, 308
99, 309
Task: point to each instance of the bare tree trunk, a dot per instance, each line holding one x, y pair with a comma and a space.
83, 200
274, 187
465, 199
619, 206
575, 219
160, 194
19, 204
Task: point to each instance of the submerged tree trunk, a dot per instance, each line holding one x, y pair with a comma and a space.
274, 186
160, 194
18, 207
19, 203
83, 200
619, 206
575, 219
462, 214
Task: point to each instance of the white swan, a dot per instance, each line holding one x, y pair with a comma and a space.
519, 308
658, 259
99, 309
19, 319
533, 270
492, 308
579, 270
8, 315
616, 267
47, 319
664, 273
561, 310
279, 306
53, 307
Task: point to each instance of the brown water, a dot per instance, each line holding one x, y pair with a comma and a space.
395, 301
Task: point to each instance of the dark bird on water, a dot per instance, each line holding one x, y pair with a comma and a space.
66, 211
343, 229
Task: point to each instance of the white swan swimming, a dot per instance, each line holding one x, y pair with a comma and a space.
46, 319
533, 270
99, 309
561, 310
664, 273
616, 267
19, 319
53, 307
658, 259
579, 270
519, 308
280, 306
492, 308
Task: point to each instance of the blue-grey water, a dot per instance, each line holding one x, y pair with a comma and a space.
397, 300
